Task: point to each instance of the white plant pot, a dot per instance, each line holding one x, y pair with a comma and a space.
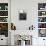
22, 43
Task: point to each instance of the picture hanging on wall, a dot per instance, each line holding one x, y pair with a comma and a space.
22, 15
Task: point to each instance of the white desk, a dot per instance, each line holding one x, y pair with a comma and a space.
3, 40
21, 32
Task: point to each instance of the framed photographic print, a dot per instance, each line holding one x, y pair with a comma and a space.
22, 16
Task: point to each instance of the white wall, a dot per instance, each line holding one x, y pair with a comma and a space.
31, 8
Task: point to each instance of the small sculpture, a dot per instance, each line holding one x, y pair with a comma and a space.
13, 27
31, 27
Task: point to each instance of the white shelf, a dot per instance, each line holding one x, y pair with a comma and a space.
41, 22
42, 16
41, 10
3, 10
3, 22
41, 28
3, 16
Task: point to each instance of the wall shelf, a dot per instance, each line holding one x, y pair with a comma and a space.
42, 16
41, 22
42, 19
3, 10
3, 22
3, 16
41, 10
4, 19
41, 28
